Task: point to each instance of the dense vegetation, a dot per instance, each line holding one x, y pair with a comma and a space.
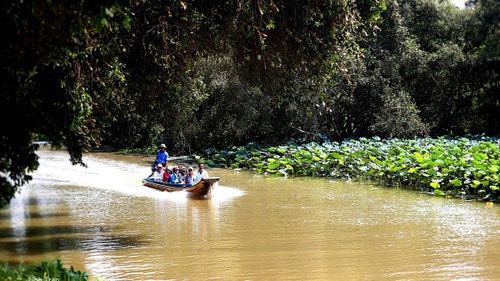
459, 167
46, 270
197, 74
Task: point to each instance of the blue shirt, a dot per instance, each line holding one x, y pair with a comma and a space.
161, 157
174, 178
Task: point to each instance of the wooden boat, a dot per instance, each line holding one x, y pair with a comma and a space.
202, 188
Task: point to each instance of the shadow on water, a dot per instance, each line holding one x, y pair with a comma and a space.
45, 201
43, 240
34, 231
35, 215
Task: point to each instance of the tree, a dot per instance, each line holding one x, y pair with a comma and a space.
456, 87
48, 82
371, 96
483, 80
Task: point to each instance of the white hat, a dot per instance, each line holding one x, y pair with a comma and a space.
163, 145
160, 166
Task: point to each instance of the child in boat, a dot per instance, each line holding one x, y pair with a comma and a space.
175, 177
158, 173
166, 175
189, 178
183, 172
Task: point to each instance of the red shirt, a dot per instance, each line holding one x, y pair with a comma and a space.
166, 175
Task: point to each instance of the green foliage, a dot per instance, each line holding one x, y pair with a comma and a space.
372, 97
49, 84
46, 270
235, 76
450, 165
453, 83
421, 75
398, 117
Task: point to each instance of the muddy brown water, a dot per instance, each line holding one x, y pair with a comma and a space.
101, 220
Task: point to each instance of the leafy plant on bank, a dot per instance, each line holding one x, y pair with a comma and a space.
46, 270
444, 166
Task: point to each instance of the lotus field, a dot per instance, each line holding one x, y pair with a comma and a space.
460, 167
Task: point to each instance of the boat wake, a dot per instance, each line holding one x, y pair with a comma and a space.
120, 176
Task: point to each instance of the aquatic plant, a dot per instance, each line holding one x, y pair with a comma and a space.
444, 166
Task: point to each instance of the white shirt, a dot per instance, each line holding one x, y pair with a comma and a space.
198, 176
158, 176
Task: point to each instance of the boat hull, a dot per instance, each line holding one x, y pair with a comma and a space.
202, 188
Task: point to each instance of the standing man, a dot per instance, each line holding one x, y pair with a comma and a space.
161, 156
201, 173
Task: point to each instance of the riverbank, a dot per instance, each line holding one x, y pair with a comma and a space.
47, 271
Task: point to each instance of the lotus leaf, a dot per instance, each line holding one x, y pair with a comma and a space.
451, 163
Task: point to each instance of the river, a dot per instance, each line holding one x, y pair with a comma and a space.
101, 220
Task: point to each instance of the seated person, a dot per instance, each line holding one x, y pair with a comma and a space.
158, 173
166, 175
189, 178
183, 172
175, 177
201, 173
